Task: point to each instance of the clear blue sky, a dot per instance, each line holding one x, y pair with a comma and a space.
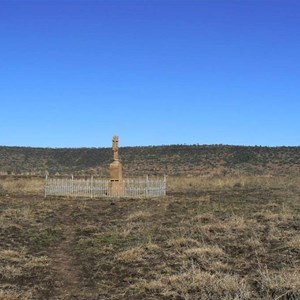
73, 73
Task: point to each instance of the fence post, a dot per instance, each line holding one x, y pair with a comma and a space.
147, 186
165, 185
72, 186
46, 180
91, 187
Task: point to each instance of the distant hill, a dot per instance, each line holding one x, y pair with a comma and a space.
154, 160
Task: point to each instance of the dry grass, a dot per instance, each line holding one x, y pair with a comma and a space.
11, 256
14, 185
131, 255
181, 242
35, 185
10, 272
205, 218
233, 225
138, 216
18, 267
230, 238
16, 216
285, 283
204, 251
210, 182
253, 242
283, 216
152, 247
13, 295
10, 294
294, 242
196, 284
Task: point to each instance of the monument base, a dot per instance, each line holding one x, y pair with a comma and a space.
116, 188
115, 170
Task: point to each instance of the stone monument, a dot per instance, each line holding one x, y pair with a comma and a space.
116, 186
115, 168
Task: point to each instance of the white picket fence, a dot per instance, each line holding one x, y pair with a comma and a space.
95, 188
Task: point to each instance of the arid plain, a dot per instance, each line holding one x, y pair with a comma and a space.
210, 238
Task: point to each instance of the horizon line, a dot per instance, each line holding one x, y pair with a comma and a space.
160, 145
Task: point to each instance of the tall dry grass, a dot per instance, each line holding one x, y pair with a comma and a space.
184, 184
35, 185
23, 185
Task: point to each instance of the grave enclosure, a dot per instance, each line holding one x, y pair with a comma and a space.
116, 186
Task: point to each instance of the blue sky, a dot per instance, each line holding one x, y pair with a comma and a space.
74, 73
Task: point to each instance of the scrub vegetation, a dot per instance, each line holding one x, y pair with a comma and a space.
183, 160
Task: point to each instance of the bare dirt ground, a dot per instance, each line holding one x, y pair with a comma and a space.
221, 241
65, 268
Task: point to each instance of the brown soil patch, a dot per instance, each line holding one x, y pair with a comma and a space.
66, 270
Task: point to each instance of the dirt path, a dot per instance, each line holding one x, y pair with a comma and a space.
66, 271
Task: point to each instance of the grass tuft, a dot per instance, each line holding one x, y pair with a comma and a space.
131, 255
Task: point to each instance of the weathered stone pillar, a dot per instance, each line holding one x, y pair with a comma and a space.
116, 186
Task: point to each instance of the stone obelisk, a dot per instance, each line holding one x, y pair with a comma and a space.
115, 168
116, 186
